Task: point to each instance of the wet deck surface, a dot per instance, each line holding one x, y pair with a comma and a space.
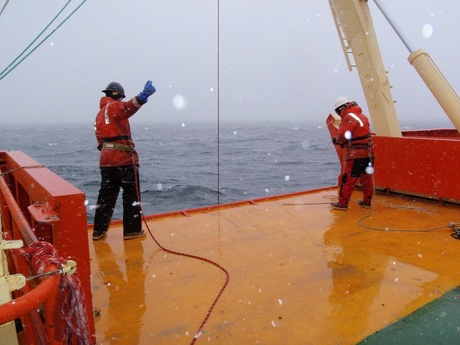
300, 273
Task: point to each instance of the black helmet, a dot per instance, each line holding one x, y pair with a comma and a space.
114, 87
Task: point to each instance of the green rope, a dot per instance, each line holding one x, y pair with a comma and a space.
13, 64
36, 38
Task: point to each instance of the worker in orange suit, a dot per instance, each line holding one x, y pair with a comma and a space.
119, 161
354, 134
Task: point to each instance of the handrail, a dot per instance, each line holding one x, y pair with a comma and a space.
46, 212
37, 296
43, 291
15, 211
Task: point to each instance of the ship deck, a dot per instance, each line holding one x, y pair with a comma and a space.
300, 273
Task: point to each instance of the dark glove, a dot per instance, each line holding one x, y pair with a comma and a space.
148, 91
334, 141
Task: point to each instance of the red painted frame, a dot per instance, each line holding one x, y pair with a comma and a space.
56, 212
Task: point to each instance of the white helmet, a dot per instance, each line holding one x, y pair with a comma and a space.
340, 101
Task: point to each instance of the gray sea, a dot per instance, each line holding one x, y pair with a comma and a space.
190, 165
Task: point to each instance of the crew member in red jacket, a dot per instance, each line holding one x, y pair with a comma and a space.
354, 134
119, 161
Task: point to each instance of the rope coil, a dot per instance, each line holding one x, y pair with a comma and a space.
42, 254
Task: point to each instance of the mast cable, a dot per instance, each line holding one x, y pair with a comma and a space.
4, 6
12, 65
36, 38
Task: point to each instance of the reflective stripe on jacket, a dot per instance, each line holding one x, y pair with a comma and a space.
355, 133
112, 125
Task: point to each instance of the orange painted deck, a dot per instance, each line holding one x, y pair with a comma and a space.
300, 272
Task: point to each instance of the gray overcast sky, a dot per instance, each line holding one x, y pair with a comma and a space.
279, 59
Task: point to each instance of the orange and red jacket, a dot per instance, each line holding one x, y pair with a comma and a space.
113, 132
355, 133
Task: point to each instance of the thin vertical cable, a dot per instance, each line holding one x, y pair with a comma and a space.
218, 102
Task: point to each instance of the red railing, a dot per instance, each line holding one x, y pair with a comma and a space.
43, 210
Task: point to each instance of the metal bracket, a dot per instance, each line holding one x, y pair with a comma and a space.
9, 282
12, 282
69, 268
42, 214
13, 244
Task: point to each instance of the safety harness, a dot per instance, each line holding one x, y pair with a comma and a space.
361, 146
119, 147
107, 143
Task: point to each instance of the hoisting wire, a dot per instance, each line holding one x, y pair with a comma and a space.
218, 102
15, 64
227, 275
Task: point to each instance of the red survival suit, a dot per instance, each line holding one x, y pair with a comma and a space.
355, 134
118, 165
113, 132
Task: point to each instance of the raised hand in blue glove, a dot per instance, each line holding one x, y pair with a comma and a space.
149, 90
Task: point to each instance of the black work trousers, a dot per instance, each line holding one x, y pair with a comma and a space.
112, 179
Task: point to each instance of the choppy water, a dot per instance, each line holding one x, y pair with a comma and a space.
179, 162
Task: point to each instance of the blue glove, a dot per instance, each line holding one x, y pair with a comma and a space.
148, 91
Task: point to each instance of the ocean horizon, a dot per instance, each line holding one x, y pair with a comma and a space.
191, 165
